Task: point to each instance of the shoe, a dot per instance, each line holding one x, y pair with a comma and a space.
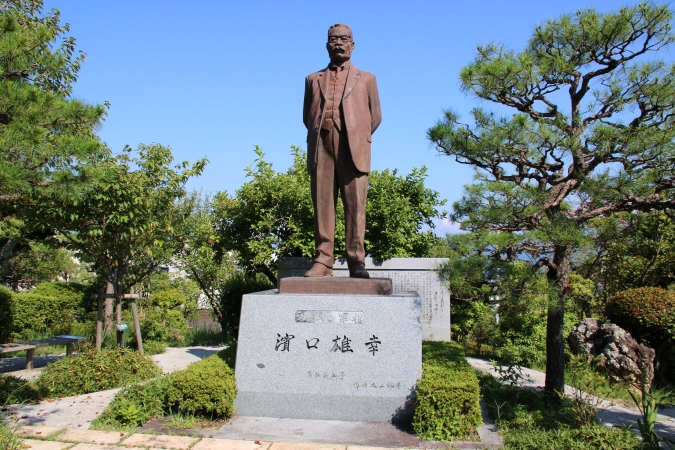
319, 270
358, 271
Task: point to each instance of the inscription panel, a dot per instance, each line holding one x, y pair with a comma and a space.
315, 316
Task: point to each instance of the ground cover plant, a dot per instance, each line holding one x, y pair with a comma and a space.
200, 395
92, 371
528, 419
9, 440
447, 406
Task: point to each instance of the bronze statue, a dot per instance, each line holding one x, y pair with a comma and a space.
341, 112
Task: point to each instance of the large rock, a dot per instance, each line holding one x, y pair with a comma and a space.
622, 357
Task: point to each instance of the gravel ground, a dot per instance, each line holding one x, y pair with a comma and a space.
610, 414
80, 410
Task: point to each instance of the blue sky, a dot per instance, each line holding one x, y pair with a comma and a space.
215, 78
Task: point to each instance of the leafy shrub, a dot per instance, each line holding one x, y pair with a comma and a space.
135, 405
6, 314
447, 405
50, 306
154, 347
163, 326
231, 293
16, 390
646, 313
527, 419
206, 388
229, 355
92, 371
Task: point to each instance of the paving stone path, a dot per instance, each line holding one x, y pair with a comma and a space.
610, 415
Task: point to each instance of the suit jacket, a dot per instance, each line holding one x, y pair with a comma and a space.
360, 111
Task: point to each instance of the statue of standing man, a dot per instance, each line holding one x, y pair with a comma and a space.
341, 112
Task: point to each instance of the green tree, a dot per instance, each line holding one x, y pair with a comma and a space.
272, 216
46, 137
33, 262
125, 223
591, 135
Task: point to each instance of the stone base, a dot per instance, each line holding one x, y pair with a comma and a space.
335, 285
329, 357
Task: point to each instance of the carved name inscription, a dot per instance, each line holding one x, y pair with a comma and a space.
318, 316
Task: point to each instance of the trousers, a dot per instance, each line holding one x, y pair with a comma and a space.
335, 172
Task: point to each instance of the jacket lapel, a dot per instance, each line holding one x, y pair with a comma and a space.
352, 79
323, 82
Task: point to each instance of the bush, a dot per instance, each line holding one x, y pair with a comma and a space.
6, 314
16, 390
229, 306
527, 419
92, 371
154, 347
447, 405
135, 405
206, 388
229, 355
52, 307
164, 326
646, 313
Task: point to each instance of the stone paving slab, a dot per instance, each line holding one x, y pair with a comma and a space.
91, 436
360, 447
159, 441
41, 432
102, 447
229, 444
34, 444
299, 446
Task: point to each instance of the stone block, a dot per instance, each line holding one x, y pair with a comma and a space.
335, 285
34, 444
301, 446
159, 441
407, 274
84, 446
330, 357
33, 431
90, 436
229, 444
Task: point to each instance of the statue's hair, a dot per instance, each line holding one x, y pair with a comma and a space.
341, 25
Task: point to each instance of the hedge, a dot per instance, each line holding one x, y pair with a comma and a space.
647, 313
206, 388
448, 395
51, 307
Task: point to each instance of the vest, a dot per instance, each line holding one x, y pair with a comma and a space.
336, 88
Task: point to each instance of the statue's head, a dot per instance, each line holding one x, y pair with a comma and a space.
340, 43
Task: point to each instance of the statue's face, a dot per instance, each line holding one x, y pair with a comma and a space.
340, 44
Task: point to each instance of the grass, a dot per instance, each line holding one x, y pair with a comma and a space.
527, 419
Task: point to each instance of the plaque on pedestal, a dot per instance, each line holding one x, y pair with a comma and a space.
332, 357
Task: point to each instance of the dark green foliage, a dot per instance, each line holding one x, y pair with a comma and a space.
231, 293
153, 347
272, 215
135, 405
92, 371
647, 313
164, 326
50, 307
397, 210
587, 91
528, 420
16, 390
229, 355
447, 405
6, 314
206, 388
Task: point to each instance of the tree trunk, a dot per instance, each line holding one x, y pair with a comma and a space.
109, 309
558, 276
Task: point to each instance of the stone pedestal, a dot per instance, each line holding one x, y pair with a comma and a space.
407, 274
336, 286
330, 357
